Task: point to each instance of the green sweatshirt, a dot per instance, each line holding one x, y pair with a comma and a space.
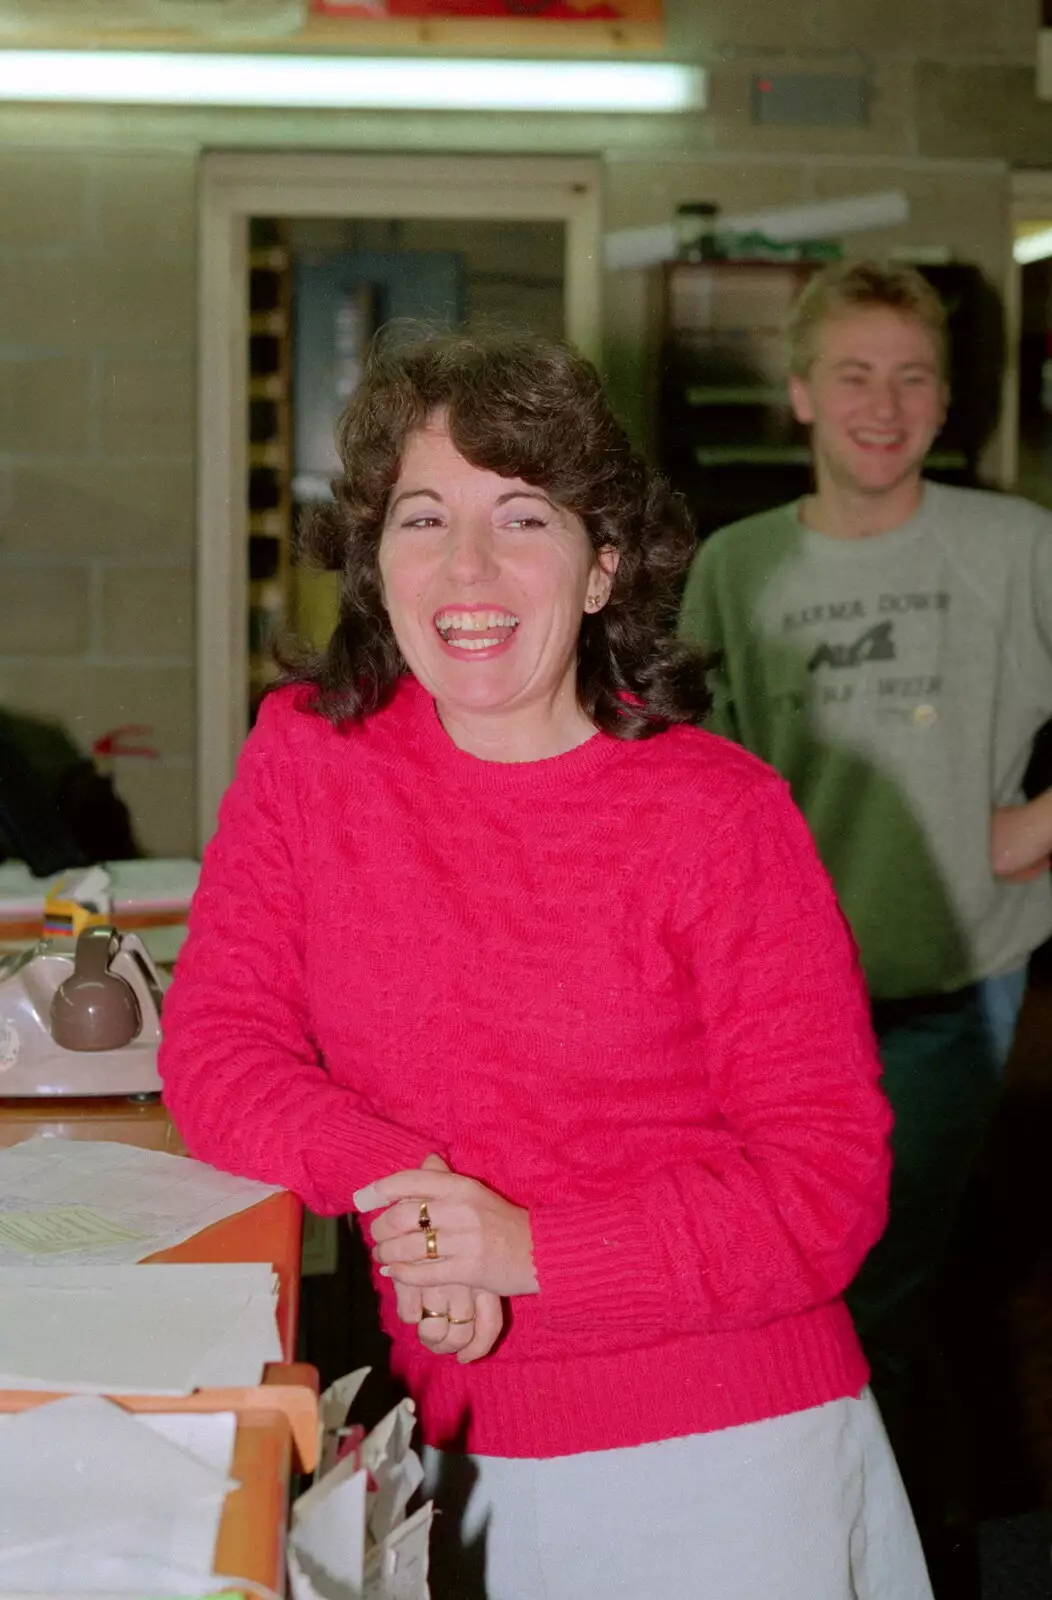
897, 683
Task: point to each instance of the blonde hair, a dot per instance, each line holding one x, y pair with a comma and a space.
847, 286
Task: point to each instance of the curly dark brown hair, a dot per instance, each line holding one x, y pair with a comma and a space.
527, 408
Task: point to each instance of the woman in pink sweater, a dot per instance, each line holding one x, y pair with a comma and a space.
495, 947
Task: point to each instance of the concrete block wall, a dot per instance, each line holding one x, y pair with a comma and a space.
97, 252
98, 327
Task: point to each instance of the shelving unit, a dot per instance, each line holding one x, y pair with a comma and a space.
727, 435
728, 438
270, 447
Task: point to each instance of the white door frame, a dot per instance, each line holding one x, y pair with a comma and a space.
237, 187
1031, 201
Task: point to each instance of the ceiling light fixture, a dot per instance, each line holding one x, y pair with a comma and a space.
117, 77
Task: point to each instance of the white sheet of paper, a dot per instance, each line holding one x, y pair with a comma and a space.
137, 1330
326, 1554
168, 1551
250, 1341
72, 1469
397, 1568
394, 1468
333, 1410
152, 1200
178, 1278
207, 1436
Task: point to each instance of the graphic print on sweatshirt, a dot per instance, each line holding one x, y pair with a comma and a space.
881, 650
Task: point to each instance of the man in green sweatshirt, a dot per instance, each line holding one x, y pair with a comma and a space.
886, 644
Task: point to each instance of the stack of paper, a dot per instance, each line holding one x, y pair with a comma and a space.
93, 1499
351, 1538
67, 1198
137, 1329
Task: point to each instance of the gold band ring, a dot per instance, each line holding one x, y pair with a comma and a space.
426, 1312
459, 1322
424, 1221
431, 1245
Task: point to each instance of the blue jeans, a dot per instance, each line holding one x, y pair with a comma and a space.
944, 1076
1000, 1002
944, 1071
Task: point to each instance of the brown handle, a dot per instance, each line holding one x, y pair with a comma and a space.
95, 949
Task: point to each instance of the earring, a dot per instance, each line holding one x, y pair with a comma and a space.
593, 602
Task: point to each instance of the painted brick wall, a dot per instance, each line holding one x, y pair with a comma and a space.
96, 458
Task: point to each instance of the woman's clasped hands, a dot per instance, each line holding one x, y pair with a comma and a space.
452, 1248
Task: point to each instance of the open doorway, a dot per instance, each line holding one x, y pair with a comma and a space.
319, 289
1033, 252
1026, 402
465, 240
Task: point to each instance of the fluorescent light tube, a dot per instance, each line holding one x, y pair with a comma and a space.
117, 77
1032, 247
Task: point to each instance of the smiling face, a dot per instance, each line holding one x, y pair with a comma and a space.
486, 581
875, 399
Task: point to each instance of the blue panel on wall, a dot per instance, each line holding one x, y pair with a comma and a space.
339, 299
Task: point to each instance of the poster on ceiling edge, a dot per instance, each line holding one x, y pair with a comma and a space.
649, 12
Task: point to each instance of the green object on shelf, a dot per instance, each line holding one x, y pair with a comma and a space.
735, 395
755, 455
758, 247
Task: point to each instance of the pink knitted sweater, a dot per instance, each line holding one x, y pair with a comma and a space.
614, 986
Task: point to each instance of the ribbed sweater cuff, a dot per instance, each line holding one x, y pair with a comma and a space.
595, 1262
351, 1149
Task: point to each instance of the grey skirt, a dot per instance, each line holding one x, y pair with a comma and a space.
804, 1507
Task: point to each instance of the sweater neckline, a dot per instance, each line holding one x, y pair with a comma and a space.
508, 777
875, 547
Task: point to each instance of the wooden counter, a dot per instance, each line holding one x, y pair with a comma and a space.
251, 1541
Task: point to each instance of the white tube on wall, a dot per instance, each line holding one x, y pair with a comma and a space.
826, 219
